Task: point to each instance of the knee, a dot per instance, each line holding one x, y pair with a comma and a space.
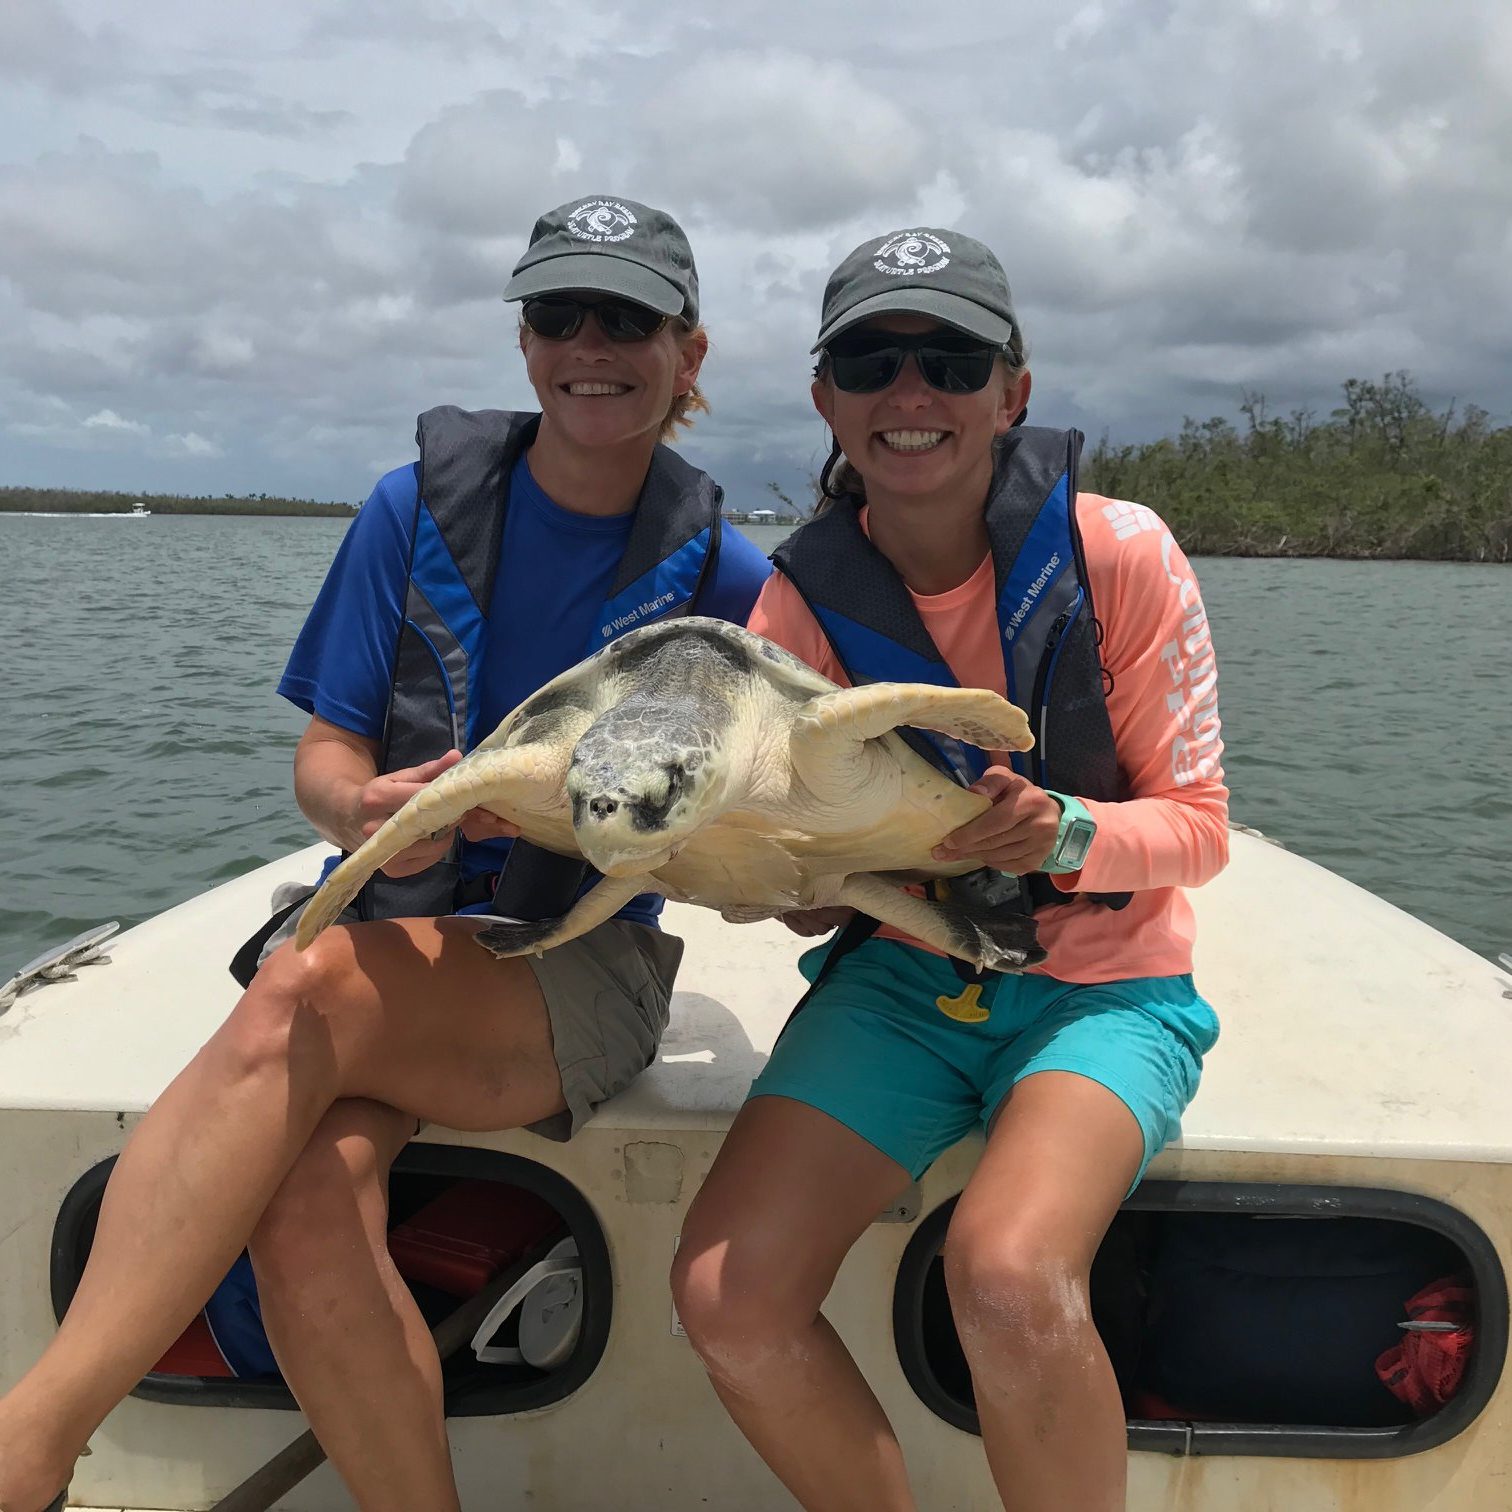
1016, 1297
731, 1301
292, 1012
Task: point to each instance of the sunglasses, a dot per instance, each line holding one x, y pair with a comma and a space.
868, 361
559, 317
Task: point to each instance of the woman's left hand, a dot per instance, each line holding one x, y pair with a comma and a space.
484, 824
1015, 835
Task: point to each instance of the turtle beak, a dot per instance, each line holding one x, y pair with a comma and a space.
621, 865
616, 860
608, 837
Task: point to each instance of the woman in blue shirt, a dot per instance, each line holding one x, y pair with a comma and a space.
515, 546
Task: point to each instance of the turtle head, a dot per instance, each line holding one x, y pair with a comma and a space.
644, 776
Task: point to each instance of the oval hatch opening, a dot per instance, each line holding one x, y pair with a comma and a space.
1249, 1319
459, 1218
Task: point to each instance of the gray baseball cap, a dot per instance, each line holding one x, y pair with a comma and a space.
942, 274
611, 246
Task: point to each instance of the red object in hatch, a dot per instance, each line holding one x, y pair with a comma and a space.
1425, 1370
462, 1238
194, 1353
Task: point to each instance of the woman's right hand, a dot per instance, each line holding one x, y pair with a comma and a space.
818, 921
381, 798
387, 793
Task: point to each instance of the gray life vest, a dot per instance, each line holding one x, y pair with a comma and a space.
1048, 631
466, 460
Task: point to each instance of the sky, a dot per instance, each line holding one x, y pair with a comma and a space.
242, 247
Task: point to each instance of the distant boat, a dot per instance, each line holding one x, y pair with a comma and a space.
138, 511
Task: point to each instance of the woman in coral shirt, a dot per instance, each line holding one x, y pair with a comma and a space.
1079, 1069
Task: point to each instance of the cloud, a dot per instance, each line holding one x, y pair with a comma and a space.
779, 142
466, 176
192, 445
109, 420
42, 45
245, 248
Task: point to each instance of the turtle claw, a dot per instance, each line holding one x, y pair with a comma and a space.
1010, 943
993, 941
515, 937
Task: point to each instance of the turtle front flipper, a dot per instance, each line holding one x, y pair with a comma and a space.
987, 938
513, 937
509, 782
973, 714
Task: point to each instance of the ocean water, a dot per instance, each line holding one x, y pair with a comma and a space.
145, 755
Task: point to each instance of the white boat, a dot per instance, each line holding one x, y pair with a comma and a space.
137, 511
1364, 1071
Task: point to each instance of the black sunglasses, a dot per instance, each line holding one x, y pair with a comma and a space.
866, 362
558, 317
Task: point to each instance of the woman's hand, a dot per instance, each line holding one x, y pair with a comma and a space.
817, 921
380, 799
387, 793
1015, 835
484, 824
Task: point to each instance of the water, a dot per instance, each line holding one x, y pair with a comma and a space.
146, 756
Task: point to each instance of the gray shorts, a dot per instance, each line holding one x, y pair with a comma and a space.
607, 993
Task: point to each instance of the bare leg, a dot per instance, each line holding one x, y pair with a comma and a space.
791, 1191
349, 1338
1017, 1259
452, 1035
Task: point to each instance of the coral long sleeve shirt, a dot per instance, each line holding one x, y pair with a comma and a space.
1171, 832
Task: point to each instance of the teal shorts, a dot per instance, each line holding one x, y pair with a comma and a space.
897, 1048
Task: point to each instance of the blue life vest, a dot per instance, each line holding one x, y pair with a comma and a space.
1048, 630
466, 460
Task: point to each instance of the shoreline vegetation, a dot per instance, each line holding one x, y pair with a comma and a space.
22, 500
1383, 477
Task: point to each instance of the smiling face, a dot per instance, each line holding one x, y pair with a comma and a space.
913, 443
600, 393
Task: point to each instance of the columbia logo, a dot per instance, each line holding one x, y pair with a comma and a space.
1129, 519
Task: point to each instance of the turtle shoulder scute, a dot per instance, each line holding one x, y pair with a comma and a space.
743, 652
550, 709
790, 674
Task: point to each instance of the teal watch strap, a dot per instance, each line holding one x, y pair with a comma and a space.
1074, 838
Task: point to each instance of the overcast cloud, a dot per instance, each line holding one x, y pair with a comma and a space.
240, 252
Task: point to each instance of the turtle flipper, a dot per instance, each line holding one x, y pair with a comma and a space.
514, 937
508, 782
989, 938
972, 714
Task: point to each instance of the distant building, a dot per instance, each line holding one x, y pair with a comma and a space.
757, 517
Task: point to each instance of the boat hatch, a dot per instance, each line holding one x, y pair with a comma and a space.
459, 1219
1247, 1319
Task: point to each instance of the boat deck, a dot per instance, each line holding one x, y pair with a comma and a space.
1398, 1046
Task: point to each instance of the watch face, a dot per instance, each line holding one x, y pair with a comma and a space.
1075, 843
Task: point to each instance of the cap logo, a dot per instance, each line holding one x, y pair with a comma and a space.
912, 252
601, 221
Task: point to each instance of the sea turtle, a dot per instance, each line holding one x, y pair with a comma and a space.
695, 759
